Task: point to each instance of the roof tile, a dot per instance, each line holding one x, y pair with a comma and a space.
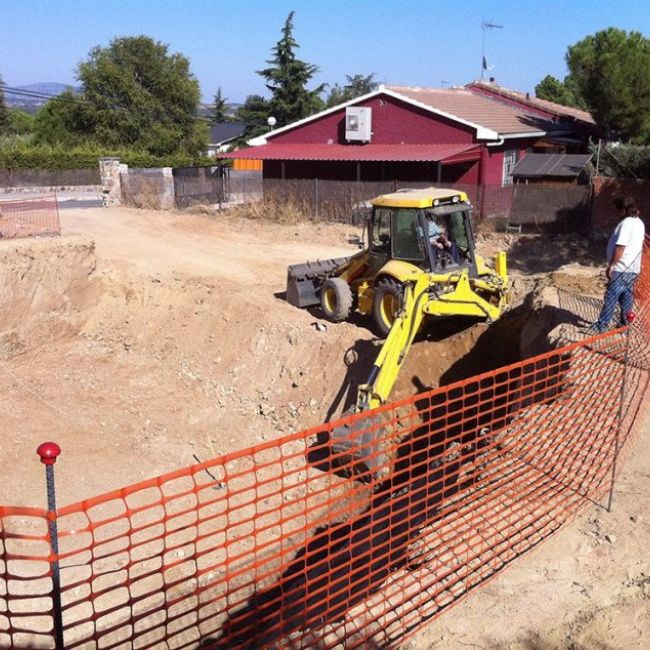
475, 108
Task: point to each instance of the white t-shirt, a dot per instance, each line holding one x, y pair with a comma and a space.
630, 233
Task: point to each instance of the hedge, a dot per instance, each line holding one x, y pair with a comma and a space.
46, 157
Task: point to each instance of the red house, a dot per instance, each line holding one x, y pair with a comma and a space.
469, 137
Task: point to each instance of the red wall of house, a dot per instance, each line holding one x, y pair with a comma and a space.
393, 122
493, 160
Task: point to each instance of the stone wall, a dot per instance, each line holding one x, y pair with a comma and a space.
139, 188
148, 188
110, 170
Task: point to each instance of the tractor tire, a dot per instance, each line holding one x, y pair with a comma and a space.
386, 304
336, 299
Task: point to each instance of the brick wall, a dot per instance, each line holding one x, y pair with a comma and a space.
603, 215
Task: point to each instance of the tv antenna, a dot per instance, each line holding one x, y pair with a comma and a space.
486, 24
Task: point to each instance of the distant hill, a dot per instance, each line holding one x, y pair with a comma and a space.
47, 87
32, 104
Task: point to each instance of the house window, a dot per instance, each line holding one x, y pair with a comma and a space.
509, 162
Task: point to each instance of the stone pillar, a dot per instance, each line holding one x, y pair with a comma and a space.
110, 170
167, 196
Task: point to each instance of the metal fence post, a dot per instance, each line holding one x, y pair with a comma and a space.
631, 317
48, 451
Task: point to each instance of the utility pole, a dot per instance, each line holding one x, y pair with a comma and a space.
486, 24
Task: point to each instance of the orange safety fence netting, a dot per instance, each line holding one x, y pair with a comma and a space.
293, 543
29, 217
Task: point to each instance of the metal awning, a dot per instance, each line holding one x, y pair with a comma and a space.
555, 164
442, 153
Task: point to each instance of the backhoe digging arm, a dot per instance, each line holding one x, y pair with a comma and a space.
361, 444
386, 368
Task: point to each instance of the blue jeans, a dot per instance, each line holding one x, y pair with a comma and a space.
620, 291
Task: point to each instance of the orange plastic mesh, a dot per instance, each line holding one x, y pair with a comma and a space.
294, 544
29, 217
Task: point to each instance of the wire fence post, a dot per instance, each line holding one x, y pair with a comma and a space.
48, 451
631, 317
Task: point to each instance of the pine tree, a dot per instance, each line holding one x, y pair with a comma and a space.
219, 109
611, 72
287, 78
356, 86
254, 114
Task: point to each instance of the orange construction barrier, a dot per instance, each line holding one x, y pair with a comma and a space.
29, 217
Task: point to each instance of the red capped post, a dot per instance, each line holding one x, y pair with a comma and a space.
49, 452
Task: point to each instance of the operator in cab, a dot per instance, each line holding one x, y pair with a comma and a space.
440, 243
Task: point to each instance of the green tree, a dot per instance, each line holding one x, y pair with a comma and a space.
219, 112
287, 78
554, 90
4, 112
254, 113
611, 72
64, 120
20, 122
354, 87
139, 95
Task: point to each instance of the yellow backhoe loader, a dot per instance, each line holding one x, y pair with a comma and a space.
420, 261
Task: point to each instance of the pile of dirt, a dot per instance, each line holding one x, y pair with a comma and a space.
45, 288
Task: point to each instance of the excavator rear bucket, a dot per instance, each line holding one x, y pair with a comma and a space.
361, 448
304, 280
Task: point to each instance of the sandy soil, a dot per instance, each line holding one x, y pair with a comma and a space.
141, 341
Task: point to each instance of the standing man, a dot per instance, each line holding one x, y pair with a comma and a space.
624, 250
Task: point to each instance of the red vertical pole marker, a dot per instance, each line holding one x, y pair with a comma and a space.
49, 451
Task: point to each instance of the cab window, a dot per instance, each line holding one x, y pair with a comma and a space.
457, 231
381, 230
406, 235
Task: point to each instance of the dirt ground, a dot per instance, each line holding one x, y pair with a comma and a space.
143, 341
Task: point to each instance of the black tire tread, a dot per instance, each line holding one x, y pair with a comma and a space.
344, 300
382, 287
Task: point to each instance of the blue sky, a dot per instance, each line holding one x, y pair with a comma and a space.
416, 42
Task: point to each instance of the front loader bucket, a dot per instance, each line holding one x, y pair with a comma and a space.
304, 280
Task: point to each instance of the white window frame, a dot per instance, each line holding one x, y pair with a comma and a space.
509, 162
